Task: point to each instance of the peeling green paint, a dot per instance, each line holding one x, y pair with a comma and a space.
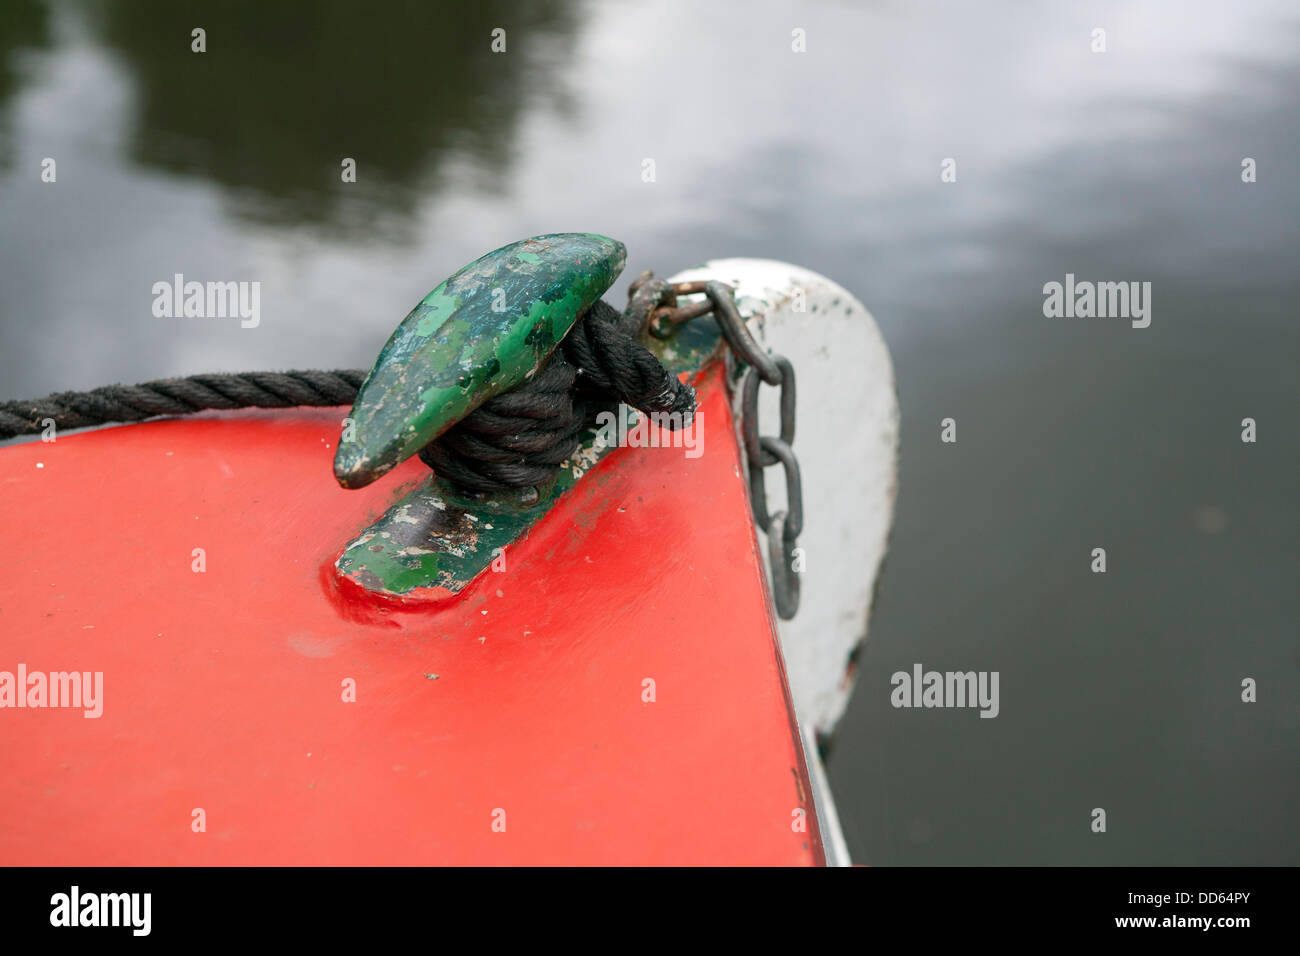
479, 333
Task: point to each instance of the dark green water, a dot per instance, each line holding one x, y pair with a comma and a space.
1119, 690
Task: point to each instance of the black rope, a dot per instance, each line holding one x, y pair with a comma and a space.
513, 440
518, 439
179, 396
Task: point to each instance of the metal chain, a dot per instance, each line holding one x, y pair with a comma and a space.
761, 451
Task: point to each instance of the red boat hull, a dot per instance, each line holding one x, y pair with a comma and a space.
224, 689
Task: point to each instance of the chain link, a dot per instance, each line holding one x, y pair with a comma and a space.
761, 451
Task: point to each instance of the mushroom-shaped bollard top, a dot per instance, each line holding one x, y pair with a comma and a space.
483, 331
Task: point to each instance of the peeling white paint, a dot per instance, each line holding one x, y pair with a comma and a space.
413, 552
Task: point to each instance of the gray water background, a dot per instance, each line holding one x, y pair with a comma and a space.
1120, 690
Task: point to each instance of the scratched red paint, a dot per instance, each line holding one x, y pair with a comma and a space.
222, 689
